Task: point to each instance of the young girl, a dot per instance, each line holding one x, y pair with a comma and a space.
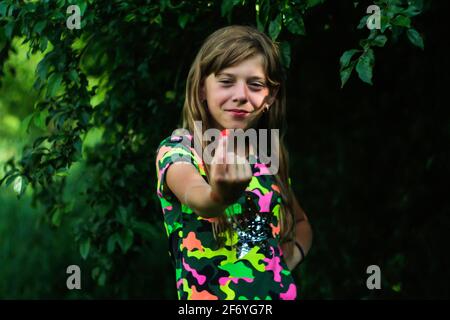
235, 230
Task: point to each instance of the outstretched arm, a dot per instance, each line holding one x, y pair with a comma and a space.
227, 181
192, 190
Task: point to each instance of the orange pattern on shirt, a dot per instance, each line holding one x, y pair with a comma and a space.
202, 295
191, 242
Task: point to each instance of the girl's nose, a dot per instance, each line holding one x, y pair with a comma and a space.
241, 94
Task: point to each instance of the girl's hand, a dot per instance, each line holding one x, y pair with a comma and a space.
230, 174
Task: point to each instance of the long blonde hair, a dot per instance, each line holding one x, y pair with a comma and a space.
226, 47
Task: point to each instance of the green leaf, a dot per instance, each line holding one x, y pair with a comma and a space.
262, 14
365, 65
3, 9
379, 41
42, 69
61, 3
397, 287
394, 7
227, 7
183, 20
10, 10
40, 119
56, 217
83, 6
396, 33
111, 244
363, 22
85, 247
275, 27
62, 173
43, 44
364, 43
20, 184
10, 178
345, 73
17, 184
122, 215
126, 240
78, 146
294, 22
412, 11
157, 20
402, 21
313, 3
39, 26
415, 38
95, 272
73, 76
146, 230
25, 124
385, 23
9, 28
85, 118
38, 141
170, 95
346, 57
54, 83
285, 50
102, 279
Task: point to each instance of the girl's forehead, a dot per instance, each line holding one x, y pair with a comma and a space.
253, 66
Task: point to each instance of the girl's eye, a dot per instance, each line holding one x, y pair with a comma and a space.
257, 85
253, 85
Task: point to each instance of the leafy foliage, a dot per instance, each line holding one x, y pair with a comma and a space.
395, 16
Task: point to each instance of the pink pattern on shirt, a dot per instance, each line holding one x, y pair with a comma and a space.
264, 200
161, 172
291, 294
263, 170
275, 266
200, 278
224, 280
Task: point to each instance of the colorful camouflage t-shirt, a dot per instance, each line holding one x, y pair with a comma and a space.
249, 266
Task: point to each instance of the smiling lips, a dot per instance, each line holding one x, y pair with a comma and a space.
239, 113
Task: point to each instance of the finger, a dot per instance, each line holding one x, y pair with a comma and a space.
218, 165
248, 171
240, 157
220, 151
221, 171
231, 166
241, 144
240, 168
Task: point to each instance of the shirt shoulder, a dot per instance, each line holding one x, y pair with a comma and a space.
179, 138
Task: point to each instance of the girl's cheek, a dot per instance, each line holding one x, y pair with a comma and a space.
222, 97
257, 100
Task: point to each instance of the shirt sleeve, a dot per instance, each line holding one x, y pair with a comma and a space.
173, 149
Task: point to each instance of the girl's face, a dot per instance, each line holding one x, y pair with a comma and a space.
235, 95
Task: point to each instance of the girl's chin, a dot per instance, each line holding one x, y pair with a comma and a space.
236, 125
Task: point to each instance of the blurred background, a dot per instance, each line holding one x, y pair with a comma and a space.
82, 112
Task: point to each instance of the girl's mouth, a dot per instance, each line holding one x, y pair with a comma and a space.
238, 113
